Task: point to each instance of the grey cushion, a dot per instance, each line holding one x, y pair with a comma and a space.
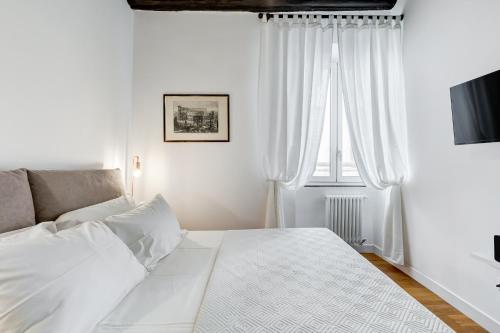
58, 192
16, 203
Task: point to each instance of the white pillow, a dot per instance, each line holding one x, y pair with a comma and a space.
100, 211
64, 282
44, 228
151, 230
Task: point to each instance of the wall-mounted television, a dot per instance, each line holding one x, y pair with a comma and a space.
476, 110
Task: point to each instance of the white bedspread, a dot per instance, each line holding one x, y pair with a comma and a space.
304, 280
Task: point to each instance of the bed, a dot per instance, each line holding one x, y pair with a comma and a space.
292, 280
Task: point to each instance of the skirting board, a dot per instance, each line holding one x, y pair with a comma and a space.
483, 319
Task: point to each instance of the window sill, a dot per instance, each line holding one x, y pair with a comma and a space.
336, 185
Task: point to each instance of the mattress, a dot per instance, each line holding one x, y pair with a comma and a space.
168, 299
304, 280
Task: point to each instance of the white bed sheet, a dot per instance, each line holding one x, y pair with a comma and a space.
168, 300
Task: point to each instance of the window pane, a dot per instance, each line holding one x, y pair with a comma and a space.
323, 164
349, 168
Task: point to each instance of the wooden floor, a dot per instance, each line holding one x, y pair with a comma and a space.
451, 316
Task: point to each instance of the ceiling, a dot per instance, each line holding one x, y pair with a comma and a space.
262, 5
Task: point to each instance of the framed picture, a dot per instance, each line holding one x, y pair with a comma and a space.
195, 118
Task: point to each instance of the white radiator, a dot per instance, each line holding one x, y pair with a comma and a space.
344, 216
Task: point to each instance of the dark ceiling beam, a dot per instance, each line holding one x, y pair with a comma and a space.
262, 5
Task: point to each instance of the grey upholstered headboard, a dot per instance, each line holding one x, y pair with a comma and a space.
58, 192
32, 196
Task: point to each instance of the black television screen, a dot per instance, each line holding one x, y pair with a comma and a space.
476, 110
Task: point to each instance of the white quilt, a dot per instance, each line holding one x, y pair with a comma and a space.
304, 280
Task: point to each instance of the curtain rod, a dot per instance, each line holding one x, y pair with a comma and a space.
269, 15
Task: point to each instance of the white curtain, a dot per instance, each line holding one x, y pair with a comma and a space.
373, 86
295, 64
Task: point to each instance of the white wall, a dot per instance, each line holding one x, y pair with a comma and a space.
452, 199
209, 185
65, 81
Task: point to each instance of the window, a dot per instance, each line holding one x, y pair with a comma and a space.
335, 159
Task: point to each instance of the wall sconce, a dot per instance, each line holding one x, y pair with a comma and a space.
136, 170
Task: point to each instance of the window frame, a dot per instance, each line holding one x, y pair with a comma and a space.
336, 117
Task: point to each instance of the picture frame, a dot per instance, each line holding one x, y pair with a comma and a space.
196, 118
